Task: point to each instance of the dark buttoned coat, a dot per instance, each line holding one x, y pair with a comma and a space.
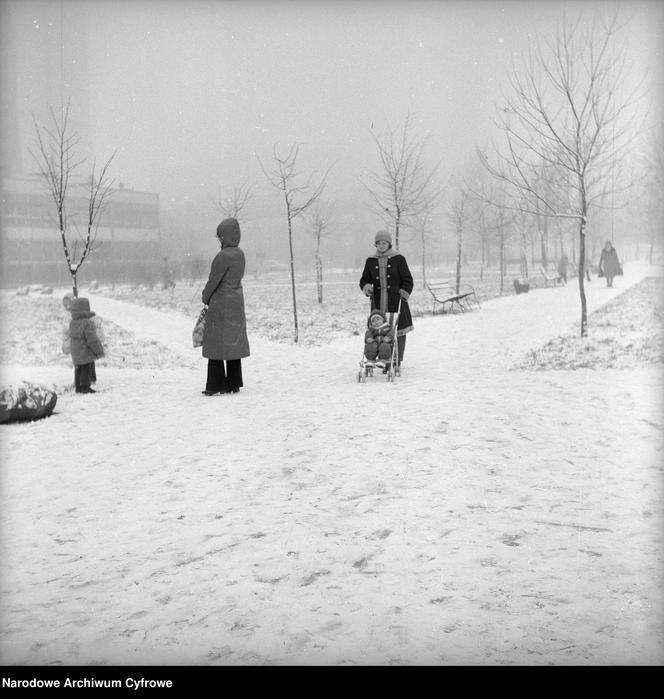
388, 273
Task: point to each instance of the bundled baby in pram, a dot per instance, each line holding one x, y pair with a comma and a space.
378, 341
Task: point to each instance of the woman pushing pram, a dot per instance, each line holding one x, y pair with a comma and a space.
387, 281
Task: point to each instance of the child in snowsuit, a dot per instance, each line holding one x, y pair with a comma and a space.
378, 339
66, 341
84, 344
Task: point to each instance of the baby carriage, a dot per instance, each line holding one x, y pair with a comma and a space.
389, 366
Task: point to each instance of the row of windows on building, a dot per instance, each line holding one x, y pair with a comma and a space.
34, 210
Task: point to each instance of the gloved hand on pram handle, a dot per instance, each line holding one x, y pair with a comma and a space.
368, 289
404, 294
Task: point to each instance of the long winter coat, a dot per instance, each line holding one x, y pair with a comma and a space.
388, 273
225, 334
85, 345
608, 262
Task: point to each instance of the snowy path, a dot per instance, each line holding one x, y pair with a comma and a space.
463, 514
499, 325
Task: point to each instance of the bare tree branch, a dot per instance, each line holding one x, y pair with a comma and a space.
403, 189
234, 204
55, 156
567, 126
297, 199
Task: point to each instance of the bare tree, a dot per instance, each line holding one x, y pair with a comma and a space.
403, 188
319, 220
55, 156
653, 205
482, 231
502, 222
462, 212
297, 199
493, 218
566, 127
522, 223
234, 204
423, 223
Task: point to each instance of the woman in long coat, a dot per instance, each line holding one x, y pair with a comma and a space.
386, 279
225, 334
609, 265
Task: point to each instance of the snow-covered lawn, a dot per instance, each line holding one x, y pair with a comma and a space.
471, 512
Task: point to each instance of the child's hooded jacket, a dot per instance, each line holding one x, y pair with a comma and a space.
86, 346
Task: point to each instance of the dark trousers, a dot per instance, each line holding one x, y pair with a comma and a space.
82, 375
401, 346
220, 379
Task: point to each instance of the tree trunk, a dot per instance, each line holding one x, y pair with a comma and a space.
424, 274
292, 268
582, 273
502, 260
482, 247
319, 278
524, 256
397, 221
543, 235
560, 243
458, 256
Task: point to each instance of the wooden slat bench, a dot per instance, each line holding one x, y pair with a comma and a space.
551, 279
445, 294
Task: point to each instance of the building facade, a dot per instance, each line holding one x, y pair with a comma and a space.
126, 246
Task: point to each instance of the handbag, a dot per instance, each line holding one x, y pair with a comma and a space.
619, 271
199, 328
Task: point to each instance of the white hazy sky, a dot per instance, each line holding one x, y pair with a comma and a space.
191, 92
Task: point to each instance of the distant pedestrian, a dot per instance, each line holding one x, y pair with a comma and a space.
609, 265
85, 345
167, 275
386, 279
562, 267
225, 334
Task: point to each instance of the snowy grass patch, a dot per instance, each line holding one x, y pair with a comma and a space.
625, 333
31, 336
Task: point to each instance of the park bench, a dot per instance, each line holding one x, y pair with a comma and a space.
551, 279
445, 294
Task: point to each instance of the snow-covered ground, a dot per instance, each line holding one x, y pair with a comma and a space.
468, 513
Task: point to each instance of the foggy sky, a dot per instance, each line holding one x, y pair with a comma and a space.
190, 93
